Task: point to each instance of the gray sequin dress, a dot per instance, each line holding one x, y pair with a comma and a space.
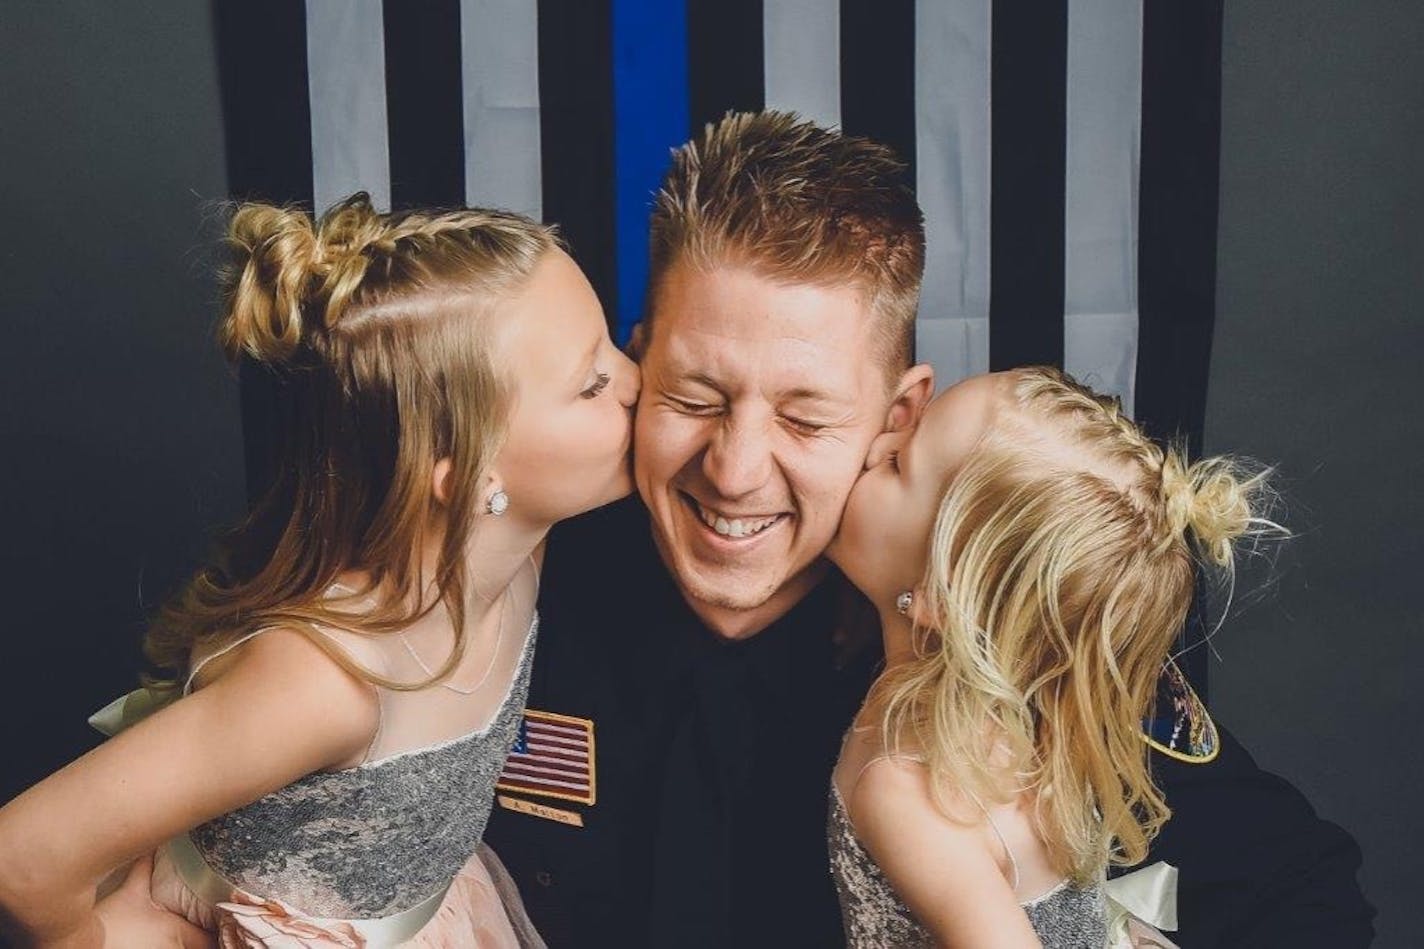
375, 839
1067, 917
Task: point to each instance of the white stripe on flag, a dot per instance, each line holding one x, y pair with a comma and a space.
565, 743
499, 55
513, 766
538, 726
952, 155
535, 746
801, 54
1100, 208
346, 85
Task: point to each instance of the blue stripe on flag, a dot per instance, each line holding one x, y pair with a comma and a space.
650, 117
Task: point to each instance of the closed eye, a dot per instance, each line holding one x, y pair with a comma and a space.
894, 460
692, 408
600, 382
803, 426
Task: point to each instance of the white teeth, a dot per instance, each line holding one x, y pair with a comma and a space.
736, 527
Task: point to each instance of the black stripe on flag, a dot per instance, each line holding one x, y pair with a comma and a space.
262, 68
1176, 253
576, 136
1029, 83
725, 69
1177, 211
262, 65
878, 74
424, 109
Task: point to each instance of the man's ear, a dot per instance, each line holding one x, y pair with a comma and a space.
913, 392
637, 341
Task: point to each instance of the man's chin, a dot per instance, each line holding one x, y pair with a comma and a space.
733, 592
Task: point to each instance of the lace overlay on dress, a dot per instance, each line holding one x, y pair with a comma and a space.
1066, 917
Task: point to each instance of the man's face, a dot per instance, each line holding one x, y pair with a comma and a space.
759, 403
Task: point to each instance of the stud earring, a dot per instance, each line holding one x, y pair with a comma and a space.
903, 602
498, 503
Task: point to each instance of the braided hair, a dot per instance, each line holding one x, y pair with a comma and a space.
1061, 568
377, 325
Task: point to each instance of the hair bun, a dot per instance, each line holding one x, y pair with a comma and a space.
1213, 498
276, 252
293, 276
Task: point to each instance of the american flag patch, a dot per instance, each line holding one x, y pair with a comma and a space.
552, 757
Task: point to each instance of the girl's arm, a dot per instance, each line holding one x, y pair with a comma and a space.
280, 709
945, 872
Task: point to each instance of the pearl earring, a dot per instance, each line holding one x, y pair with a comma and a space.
903, 602
498, 503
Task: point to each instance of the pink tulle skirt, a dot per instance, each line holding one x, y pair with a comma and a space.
481, 909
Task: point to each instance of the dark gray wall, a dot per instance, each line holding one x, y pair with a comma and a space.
121, 437
1315, 366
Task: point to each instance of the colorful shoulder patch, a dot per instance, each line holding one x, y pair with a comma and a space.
553, 756
1179, 725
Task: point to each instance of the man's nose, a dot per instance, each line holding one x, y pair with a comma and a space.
885, 445
738, 458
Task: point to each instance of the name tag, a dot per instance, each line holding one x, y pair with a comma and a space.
540, 810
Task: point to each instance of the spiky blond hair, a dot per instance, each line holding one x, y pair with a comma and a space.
796, 203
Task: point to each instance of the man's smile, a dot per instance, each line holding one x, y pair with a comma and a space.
731, 525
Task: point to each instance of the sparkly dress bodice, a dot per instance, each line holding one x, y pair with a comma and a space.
1067, 917
374, 839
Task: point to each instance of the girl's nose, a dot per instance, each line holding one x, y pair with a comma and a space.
885, 445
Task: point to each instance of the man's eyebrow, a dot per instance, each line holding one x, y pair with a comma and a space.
798, 394
697, 378
803, 394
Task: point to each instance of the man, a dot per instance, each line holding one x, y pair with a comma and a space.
698, 660
776, 350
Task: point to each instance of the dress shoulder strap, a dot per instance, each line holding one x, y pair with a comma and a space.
197, 666
335, 642
1003, 842
855, 781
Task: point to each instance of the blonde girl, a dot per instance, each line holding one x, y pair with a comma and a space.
347, 676
1032, 557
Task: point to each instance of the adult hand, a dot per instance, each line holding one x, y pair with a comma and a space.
133, 921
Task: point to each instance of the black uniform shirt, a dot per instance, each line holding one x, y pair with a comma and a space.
713, 758
711, 764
